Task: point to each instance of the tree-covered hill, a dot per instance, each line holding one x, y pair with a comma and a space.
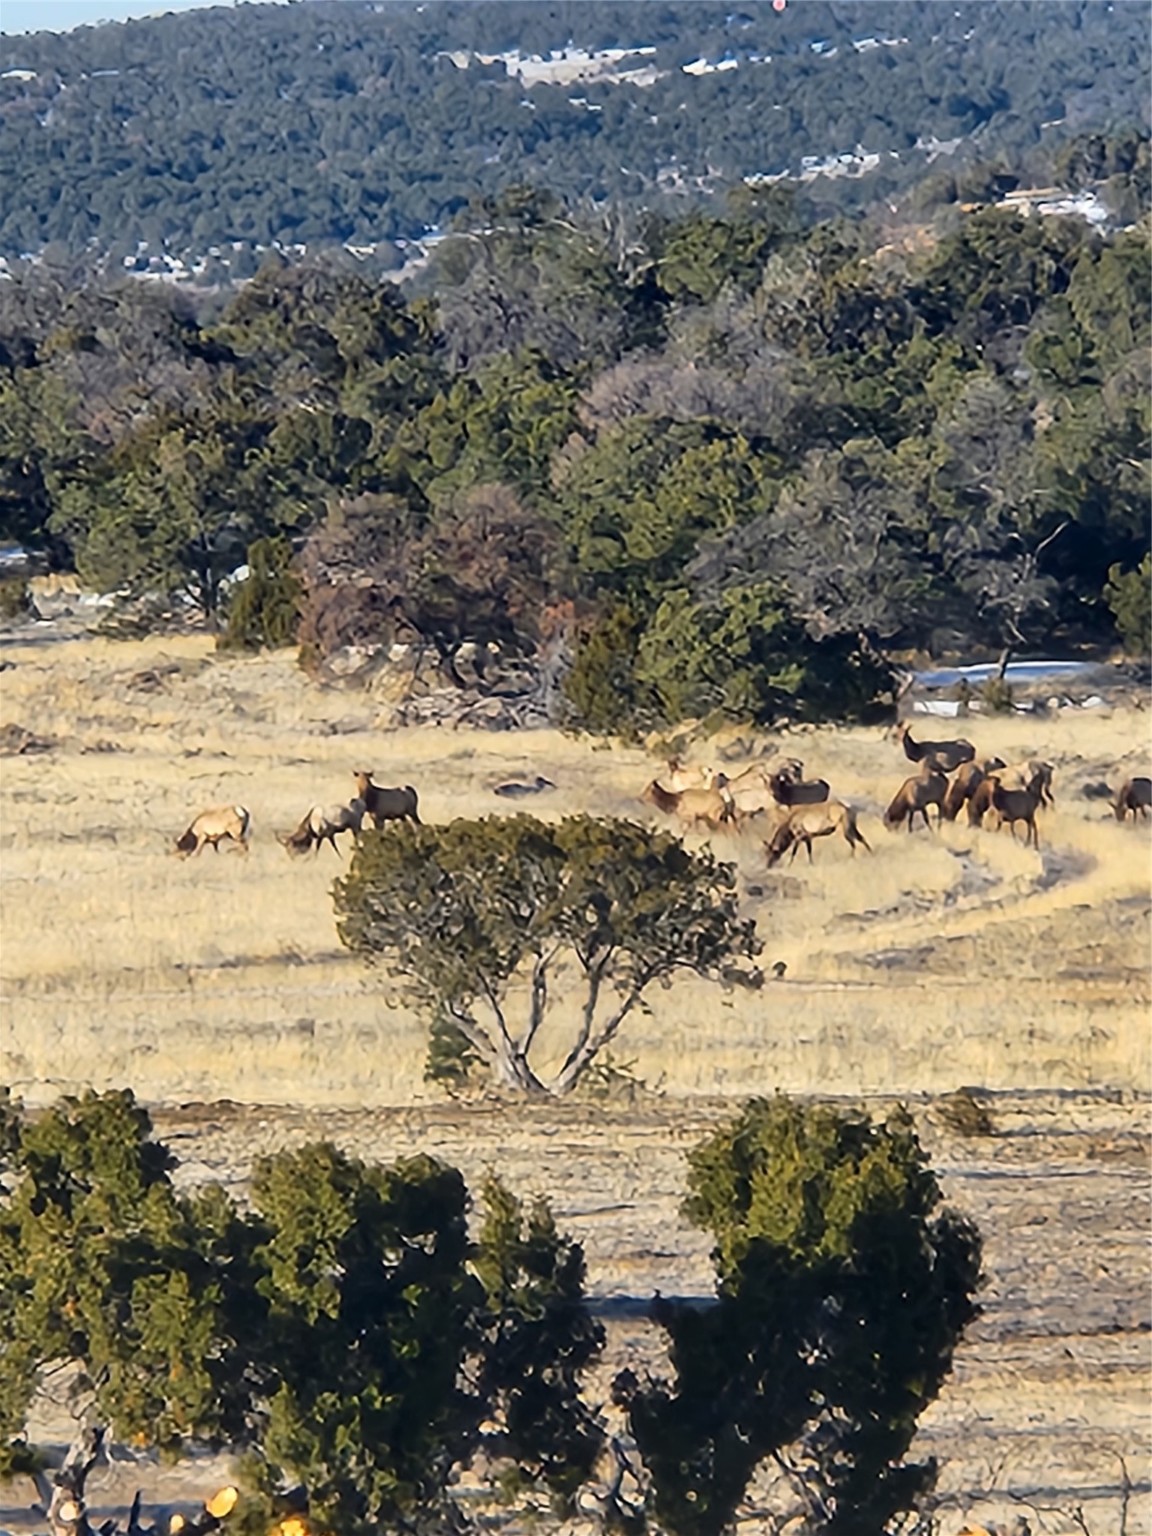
360, 122
732, 467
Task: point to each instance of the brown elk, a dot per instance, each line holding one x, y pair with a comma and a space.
964, 783
1134, 795
945, 755
791, 792
692, 806
1030, 771
212, 826
807, 822
915, 795
323, 823
1013, 805
381, 805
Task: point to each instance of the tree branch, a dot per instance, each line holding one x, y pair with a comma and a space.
539, 1000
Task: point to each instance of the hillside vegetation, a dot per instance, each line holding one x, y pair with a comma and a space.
730, 469
363, 123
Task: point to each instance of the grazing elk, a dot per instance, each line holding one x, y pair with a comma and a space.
915, 795
692, 806
1134, 795
212, 826
807, 822
323, 824
381, 805
945, 755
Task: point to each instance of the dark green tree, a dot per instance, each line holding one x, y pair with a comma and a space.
103, 1264
264, 611
479, 918
844, 1286
1129, 596
345, 1333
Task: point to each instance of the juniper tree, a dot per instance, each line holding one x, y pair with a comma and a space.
843, 1287
478, 918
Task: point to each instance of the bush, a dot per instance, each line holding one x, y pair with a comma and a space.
345, 1331
1129, 595
601, 688
15, 599
963, 1113
843, 1289
998, 696
481, 917
265, 609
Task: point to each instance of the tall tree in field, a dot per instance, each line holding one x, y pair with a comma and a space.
480, 917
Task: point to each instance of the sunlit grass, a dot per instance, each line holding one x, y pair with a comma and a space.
222, 975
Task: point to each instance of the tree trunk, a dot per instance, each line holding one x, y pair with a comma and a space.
1002, 663
510, 1069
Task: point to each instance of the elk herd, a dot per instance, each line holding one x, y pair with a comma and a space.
320, 824
796, 810
771, 795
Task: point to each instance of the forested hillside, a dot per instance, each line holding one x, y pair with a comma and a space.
363, 123
736, 462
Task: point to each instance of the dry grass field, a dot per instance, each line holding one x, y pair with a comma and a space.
941, 960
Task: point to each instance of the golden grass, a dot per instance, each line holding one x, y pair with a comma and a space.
941, 959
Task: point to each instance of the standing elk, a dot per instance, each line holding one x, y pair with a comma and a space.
945, 755
1029, 772
1134, 795
807, 822
915, 795
1013, 805
791, 792
211, 826
381, 805
964, 783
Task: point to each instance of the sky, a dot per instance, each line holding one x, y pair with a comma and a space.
61, 15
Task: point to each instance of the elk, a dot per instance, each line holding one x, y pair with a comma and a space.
381, 805
915, 795
791, 792
807, 822
1013, 805
323, 823
964, 784
679, 776
1134, 795
212, 826
945, 755
692, 806
1030, 771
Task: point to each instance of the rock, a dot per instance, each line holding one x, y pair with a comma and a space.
17, 739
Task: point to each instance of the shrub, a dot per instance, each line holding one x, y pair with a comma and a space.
601, 688
843, 1288
345, 1331
15, 599
265, 609
998, 696
1129, 595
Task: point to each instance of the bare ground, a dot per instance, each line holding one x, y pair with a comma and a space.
943, 960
